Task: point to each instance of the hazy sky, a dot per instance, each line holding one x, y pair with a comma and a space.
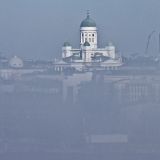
36, 29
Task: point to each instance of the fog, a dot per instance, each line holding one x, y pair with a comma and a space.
109, 114
98, 101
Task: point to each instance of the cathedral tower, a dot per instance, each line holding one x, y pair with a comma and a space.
88, 32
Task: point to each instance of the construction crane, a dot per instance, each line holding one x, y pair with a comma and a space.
148, 43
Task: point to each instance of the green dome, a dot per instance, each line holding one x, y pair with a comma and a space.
86, 44
110, 44
88, 22
66, 44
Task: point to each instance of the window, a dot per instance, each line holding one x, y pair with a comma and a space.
93, 35
92, 39
85, 34
82, 34
89, 39
85, 39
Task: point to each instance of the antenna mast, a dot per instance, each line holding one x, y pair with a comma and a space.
159, 50
1, 103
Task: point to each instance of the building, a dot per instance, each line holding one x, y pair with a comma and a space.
18, 69
137, 88
16, 62
71, 85
89, 56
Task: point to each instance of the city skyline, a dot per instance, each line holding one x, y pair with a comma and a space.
36, 29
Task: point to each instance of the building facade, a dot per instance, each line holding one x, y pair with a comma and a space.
88, 55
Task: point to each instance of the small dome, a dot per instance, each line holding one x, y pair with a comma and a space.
88, 22
16, 62
110, 43
66, 44
86, 44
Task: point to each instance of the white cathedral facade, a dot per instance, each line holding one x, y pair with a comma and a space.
88, 56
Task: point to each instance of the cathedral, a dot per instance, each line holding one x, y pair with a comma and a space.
88, 56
